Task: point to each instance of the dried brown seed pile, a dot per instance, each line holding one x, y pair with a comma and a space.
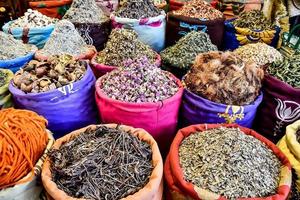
105, 163
11, 48
139, 81
199, 9
58, 71
123, 44
254, 20
223, 77
228, 162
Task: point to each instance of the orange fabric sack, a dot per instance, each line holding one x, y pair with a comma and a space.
153, 189
51, 8
178, 188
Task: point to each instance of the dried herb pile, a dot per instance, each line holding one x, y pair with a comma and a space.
294, 193
123, 44
260, 53
3, 77
184, 52
199, 9
137, 9
64, 40
85, 11
104, 163
254, 20
228, 162
287, 70
58, 71
11, 48
223, 77
139, 81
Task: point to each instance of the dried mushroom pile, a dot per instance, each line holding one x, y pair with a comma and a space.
223, 77
11, 48
184, 52
199, 9
85, 11
254, 20
287, 70
64, 40
228, 162
137, 9
58, 71
104, 163
260, 53
123, 44
140, 81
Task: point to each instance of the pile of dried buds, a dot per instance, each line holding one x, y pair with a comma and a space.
254, 20
223, 77
11, 48
139, 81
199, 9
184, 52
260, 53
31, 19
123, 44
58, 71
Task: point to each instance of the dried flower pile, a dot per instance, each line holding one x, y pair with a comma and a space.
254, 20
138, 9
287, 70
139, 81
58, 71
85, 11
184, 52
228, 162
223, 77
123, 44
104, 163
199, 9
11, 48
260, 53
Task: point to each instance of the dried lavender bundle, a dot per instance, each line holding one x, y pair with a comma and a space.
260, 53
184, 52
85, 11
123, 44
11, 48
64, 40
137, 9
228, 162
139, 81
3, 77
254, 20
104, 163
223, 77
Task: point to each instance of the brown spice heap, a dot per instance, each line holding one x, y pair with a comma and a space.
223, 77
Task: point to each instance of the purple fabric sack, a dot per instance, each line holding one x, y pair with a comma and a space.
198, 110
280, 107
67, 108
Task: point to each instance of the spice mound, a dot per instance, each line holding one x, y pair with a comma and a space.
139, 81
184, 52
85, 11
123, 44
225, 78
254, 20
287, 70
138, 9
260, 53
228, 162
64, 40
58, 71
199, 9
102, 163
11, 48
33, 19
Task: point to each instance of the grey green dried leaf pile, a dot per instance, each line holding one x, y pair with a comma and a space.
11, 48
139, 81
184, 52
123, 44
254, 20
225, 78
58, 71
228, 162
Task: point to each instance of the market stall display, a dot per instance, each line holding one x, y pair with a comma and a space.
5, 96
